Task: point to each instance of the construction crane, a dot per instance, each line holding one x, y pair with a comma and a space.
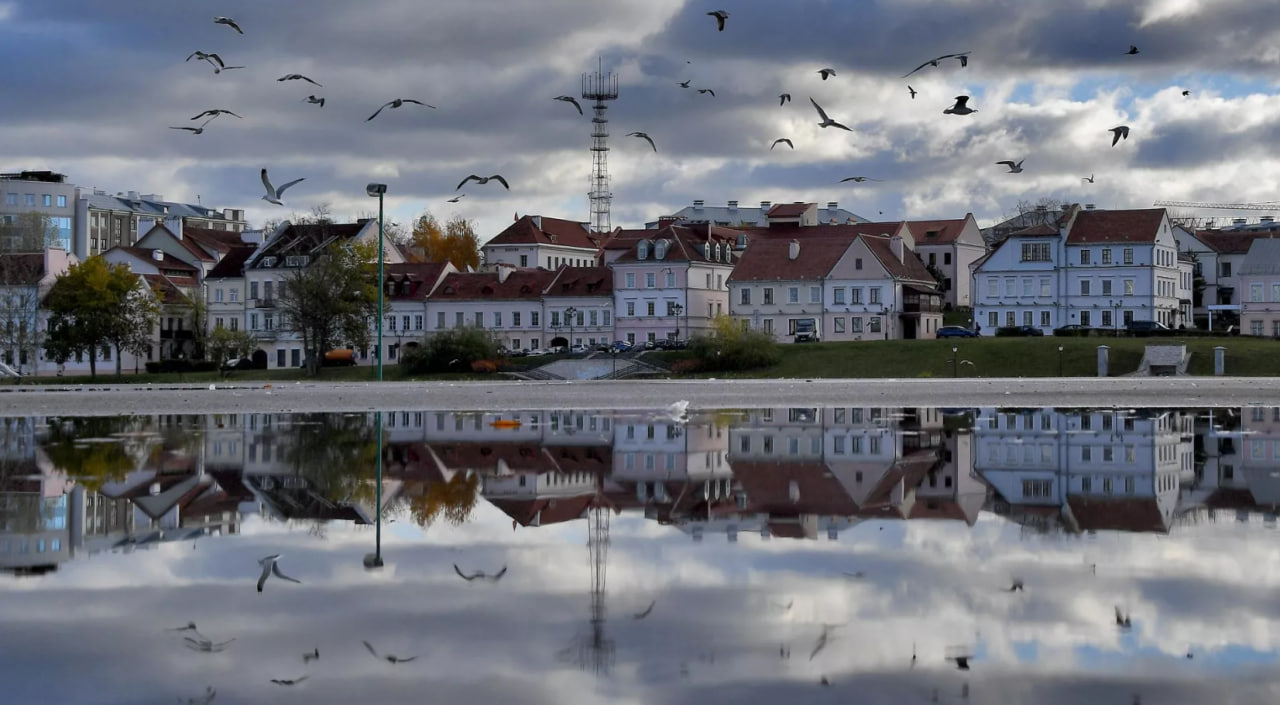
1269, 206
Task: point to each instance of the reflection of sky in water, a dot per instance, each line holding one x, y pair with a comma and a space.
93, 630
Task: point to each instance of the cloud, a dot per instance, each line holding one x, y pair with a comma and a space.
1048, 79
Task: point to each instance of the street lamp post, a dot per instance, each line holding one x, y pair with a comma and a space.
379, 190
569, 313
374, 560
677, 309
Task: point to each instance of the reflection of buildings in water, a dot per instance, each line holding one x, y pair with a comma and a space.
38, 504
1086, 470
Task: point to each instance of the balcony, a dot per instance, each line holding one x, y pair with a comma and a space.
266, 334
268, 302
176, 334
920, 304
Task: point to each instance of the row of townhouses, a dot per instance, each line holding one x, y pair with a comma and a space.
788, 269
796, 472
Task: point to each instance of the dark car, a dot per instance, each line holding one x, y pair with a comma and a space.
956, 332
1019, 331
243, 363
1145, 326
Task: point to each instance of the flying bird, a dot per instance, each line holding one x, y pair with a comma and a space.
480, 574
273, 196
822, 642
826, 121
191, 627
389, 658
783, 98
685, 84
707, 90
1118, 133
209, 694
211, 57
1088, 178
1186, 94
194, 130
271, 564
858, 179
572, 100
912, 91
1016, 586
677, 410
484, 180
645, 613
781, 139
963, 57
720, 16
961, 107
962, 662
297, 77
1122, 620
215, 112
827, 73
206, 645
1132, 50
1014, 167
393, 104
289, 681
644, 137
457, 198
314, 100
228, 22
311, 655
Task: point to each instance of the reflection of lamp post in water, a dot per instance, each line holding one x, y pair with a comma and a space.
955, 361
1059, 360
374, 560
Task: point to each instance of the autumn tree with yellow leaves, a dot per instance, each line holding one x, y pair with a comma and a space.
456, 241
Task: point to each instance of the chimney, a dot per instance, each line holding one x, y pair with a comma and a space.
1089, 206
832, 205
157, 255
697, 204
537, 221
504, 271
793, 250
895, 243
152, 197
733, 205
764, 207
133, 195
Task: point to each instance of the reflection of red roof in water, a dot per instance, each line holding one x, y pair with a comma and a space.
768, 487
1128, 514
1228, 498
543, 512
484, 457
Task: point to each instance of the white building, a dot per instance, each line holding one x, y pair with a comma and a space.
538, 241
506, 301
950, 247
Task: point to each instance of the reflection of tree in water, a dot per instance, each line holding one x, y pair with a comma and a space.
99, 449
335, 453
454, 500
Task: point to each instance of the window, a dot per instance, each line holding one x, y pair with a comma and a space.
857, 263
235, 295
631, 308
1084, 286
1128, 485
873, 295
1106, 255
1044, 319
439, 320
533, 319
595, 317
1226, 269
1128, 287
745, 297
631, 280
671, 279
650, 280
815, 294
933, 258
1106, 319
837, 295
28, 199
46, 200
1106, 287
1128, 255
391, 323
1027, 286
1010, 318
62, 201
793, 294
874, 325
479, 319
1255, 292
839, 324
497, 320
946, 258
1106, 485
993, 287
1026, 318
993, 319
855, 295
1084, 257
11, 199
1086, 455
1031, 252
217, 295
524, 260
607, 316
648, 307
1255, 328
1039, 489
768, 296
1044, 287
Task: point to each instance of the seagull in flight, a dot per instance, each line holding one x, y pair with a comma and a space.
962, 662
213, 59
215, 112
191, 627
645, 613
270, 564
644, 137
677, 410
393, 104
480, 574
827, 73
1014, 167
311, 655
570, 99
685, 84
194, 130
457, 198
781, 139
206, 645
1088, 178
912, 91
963, 57
1120, 132
1186, 94
1016, 586
826, 121
314, 100
389, 658
783, 98
707, 90
289, 681
1122, 620
859, 179
228, 22
297, 77
720, 16
961, 107
484, 180
822, 642
1132, 50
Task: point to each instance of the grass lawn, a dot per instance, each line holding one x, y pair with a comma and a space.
1002, 357
390, 373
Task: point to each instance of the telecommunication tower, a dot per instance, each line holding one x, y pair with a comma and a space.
600, 87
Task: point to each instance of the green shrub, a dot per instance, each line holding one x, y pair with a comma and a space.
450, 351
730, 347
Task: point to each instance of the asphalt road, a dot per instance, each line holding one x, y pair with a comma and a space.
90, 400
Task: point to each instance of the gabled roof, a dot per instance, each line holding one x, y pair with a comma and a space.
21, 268
191, 247
421, 276
146, 255
527, 284
944, 232
486, 456
217, 241
790, 210
768, 258
769, 486
168, 290
685, 243
305, 239
1263, 258
543, 512
581, 281
1135, 514
909, 267
1127, 226
1229, 242
231, 266
541, 230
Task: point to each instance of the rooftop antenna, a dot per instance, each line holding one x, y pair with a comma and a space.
600, 87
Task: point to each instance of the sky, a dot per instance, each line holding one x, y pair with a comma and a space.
94, 631
93, 88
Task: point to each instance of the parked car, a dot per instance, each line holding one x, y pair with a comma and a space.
579, 349
1145, 326
339, 358
956, 332
1019, 331
243, 363
1073, 329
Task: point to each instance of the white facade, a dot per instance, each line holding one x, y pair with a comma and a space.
1019, 284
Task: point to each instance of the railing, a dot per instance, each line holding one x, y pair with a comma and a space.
916, 306
268, 302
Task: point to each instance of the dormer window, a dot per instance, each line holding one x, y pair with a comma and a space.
717, 253
642, 250
660, 249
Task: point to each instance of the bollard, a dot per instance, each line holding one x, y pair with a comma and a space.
1219, 361
1103, 351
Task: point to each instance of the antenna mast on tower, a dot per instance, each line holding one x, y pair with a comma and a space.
600, 87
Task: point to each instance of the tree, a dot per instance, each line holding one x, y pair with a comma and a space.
454, 500
225, 344
90, 306
732, 347
332, 300
136, 318
31, 231
456, 242
451, 351
198, 313
20, 294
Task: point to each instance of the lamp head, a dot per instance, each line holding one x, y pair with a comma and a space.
375, 189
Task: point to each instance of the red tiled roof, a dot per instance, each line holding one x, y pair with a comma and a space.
944, 231
789, 210
169, 261
468, 286
304, 238
484, 457
828, 230
553, 231
1142, 225
167, 289
1135, 514
1036, 231
581, 281
683, 242
422, 278
543, 512
21, 268
768, 258
211, 239
597, 460
910, 470
909, 267
1231, 242
231, 266
768, 487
